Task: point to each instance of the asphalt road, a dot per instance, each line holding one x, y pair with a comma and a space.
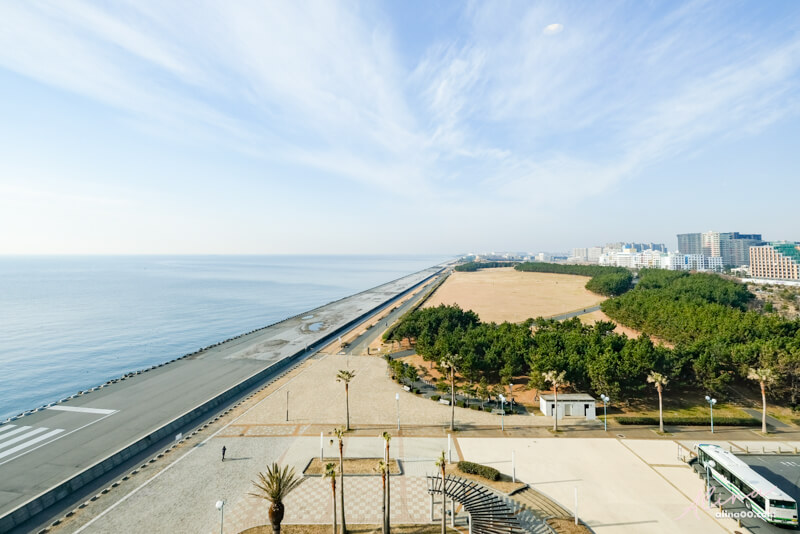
41, 450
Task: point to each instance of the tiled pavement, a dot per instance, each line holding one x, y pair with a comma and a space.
311, 503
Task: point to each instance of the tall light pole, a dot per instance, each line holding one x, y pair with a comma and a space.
397, 401
221, 508
502, 412
711, 402
605, 398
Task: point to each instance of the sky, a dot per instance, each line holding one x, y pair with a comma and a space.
268, 127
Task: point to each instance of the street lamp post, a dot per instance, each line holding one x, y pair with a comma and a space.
711, 402
397, 400
605, 398
502, 412
221, 508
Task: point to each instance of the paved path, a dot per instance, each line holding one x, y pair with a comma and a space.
575, 313
39, 451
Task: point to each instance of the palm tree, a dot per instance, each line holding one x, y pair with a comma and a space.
557, 380
660, 381
765, 377
451, 361
340, 435
330, 472
441, 463
274, 486
383, 468
346, 376
386, 518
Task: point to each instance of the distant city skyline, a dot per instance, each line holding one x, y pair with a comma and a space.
413, 127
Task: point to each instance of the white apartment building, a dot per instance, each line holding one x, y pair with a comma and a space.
654, 259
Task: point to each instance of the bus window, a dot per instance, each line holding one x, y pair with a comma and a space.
783, 504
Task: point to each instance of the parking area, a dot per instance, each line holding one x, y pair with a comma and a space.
783, 470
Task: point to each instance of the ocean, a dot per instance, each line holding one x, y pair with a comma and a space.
69, 323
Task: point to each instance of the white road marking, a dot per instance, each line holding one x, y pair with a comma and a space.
194, 448
34, 441
6, 427
84, 410
17, 431
21, 437
59, 437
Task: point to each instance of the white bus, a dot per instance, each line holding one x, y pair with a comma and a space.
759, 495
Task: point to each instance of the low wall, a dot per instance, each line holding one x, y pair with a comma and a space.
26, 511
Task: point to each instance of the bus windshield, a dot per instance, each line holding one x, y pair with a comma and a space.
783, 504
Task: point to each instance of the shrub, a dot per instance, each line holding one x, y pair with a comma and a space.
487, 408
461, 404
489, 473
690, 421
415, 391
436, 397
474, 407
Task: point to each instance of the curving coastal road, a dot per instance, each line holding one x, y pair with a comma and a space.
42, 450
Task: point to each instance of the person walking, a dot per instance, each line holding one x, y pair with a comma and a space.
223, 453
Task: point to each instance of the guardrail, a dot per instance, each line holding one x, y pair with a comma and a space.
44, 500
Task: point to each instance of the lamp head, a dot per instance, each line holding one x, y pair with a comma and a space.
711, 463
220, 504
708, 399
396, 396
713, 401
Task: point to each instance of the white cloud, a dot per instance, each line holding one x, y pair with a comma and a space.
552, 29
497, 113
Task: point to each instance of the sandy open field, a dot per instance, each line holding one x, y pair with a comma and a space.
507, 295
593, 317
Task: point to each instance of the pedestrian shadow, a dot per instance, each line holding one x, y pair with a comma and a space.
237, 459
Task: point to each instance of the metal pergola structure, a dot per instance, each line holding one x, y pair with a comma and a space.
488, 513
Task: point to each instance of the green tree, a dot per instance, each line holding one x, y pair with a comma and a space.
346, 376
556, 380
441, 463
330, 472
659, 381
273, 486
765, 377
339, 431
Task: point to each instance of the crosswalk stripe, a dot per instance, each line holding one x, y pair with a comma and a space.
16, 431
6, 427
21, 437
99, 411
27, 444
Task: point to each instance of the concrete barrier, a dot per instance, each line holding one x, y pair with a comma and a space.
44, 500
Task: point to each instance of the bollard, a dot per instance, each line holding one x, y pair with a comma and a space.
433, 518
453, 513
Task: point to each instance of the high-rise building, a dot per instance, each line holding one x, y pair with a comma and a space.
690, 243
779, 260
580, 254
732, 247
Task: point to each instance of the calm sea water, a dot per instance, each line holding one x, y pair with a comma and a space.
70, 323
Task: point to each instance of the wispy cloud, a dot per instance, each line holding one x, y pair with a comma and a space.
512, 106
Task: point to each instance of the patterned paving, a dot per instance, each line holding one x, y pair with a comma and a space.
253, 431
311, 503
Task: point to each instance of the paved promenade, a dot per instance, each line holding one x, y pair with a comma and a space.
631, 482
41, 450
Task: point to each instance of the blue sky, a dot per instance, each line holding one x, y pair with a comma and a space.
413, 127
